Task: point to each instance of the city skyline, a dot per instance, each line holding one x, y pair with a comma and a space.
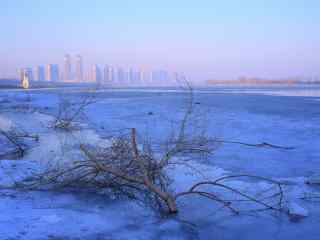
72, 71
206, 39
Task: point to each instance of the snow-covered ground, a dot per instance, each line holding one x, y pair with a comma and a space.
247, 115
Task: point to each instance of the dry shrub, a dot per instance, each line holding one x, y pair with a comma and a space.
70, 113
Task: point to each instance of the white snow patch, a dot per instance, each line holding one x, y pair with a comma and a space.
296, 210
63, 147
42, 117
51, 218
5, 123
188, 173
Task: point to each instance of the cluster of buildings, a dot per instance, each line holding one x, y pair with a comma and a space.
74, 72
52, 72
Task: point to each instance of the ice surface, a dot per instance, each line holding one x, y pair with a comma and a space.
233, 115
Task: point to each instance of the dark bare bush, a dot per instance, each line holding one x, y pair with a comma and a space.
70, 113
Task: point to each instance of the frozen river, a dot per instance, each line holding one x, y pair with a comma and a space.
284, 116
281, 116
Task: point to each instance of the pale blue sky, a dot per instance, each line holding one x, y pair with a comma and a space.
204, 38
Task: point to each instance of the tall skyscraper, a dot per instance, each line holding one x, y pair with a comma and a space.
131, 76
79, 69
120, 76
21, 74
52, 73
67, 68
35, 70
160, 77
48, 72
134, 77
138, 77
155, 77
108, 74
39, 74
96, 74
111, 74
126, 76
145, 77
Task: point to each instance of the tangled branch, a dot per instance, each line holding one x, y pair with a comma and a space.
16, 138
69, 113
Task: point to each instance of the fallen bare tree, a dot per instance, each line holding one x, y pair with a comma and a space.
126, 171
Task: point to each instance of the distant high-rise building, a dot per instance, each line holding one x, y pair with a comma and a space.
120, 76
131, 76
108, 74
48, 72
145, 77
160, 77
21, 74
96, 74
79, 68
67, 68
154, 77
135, 77
111, 74
138, 77
52, 73
39, 73
126, 76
